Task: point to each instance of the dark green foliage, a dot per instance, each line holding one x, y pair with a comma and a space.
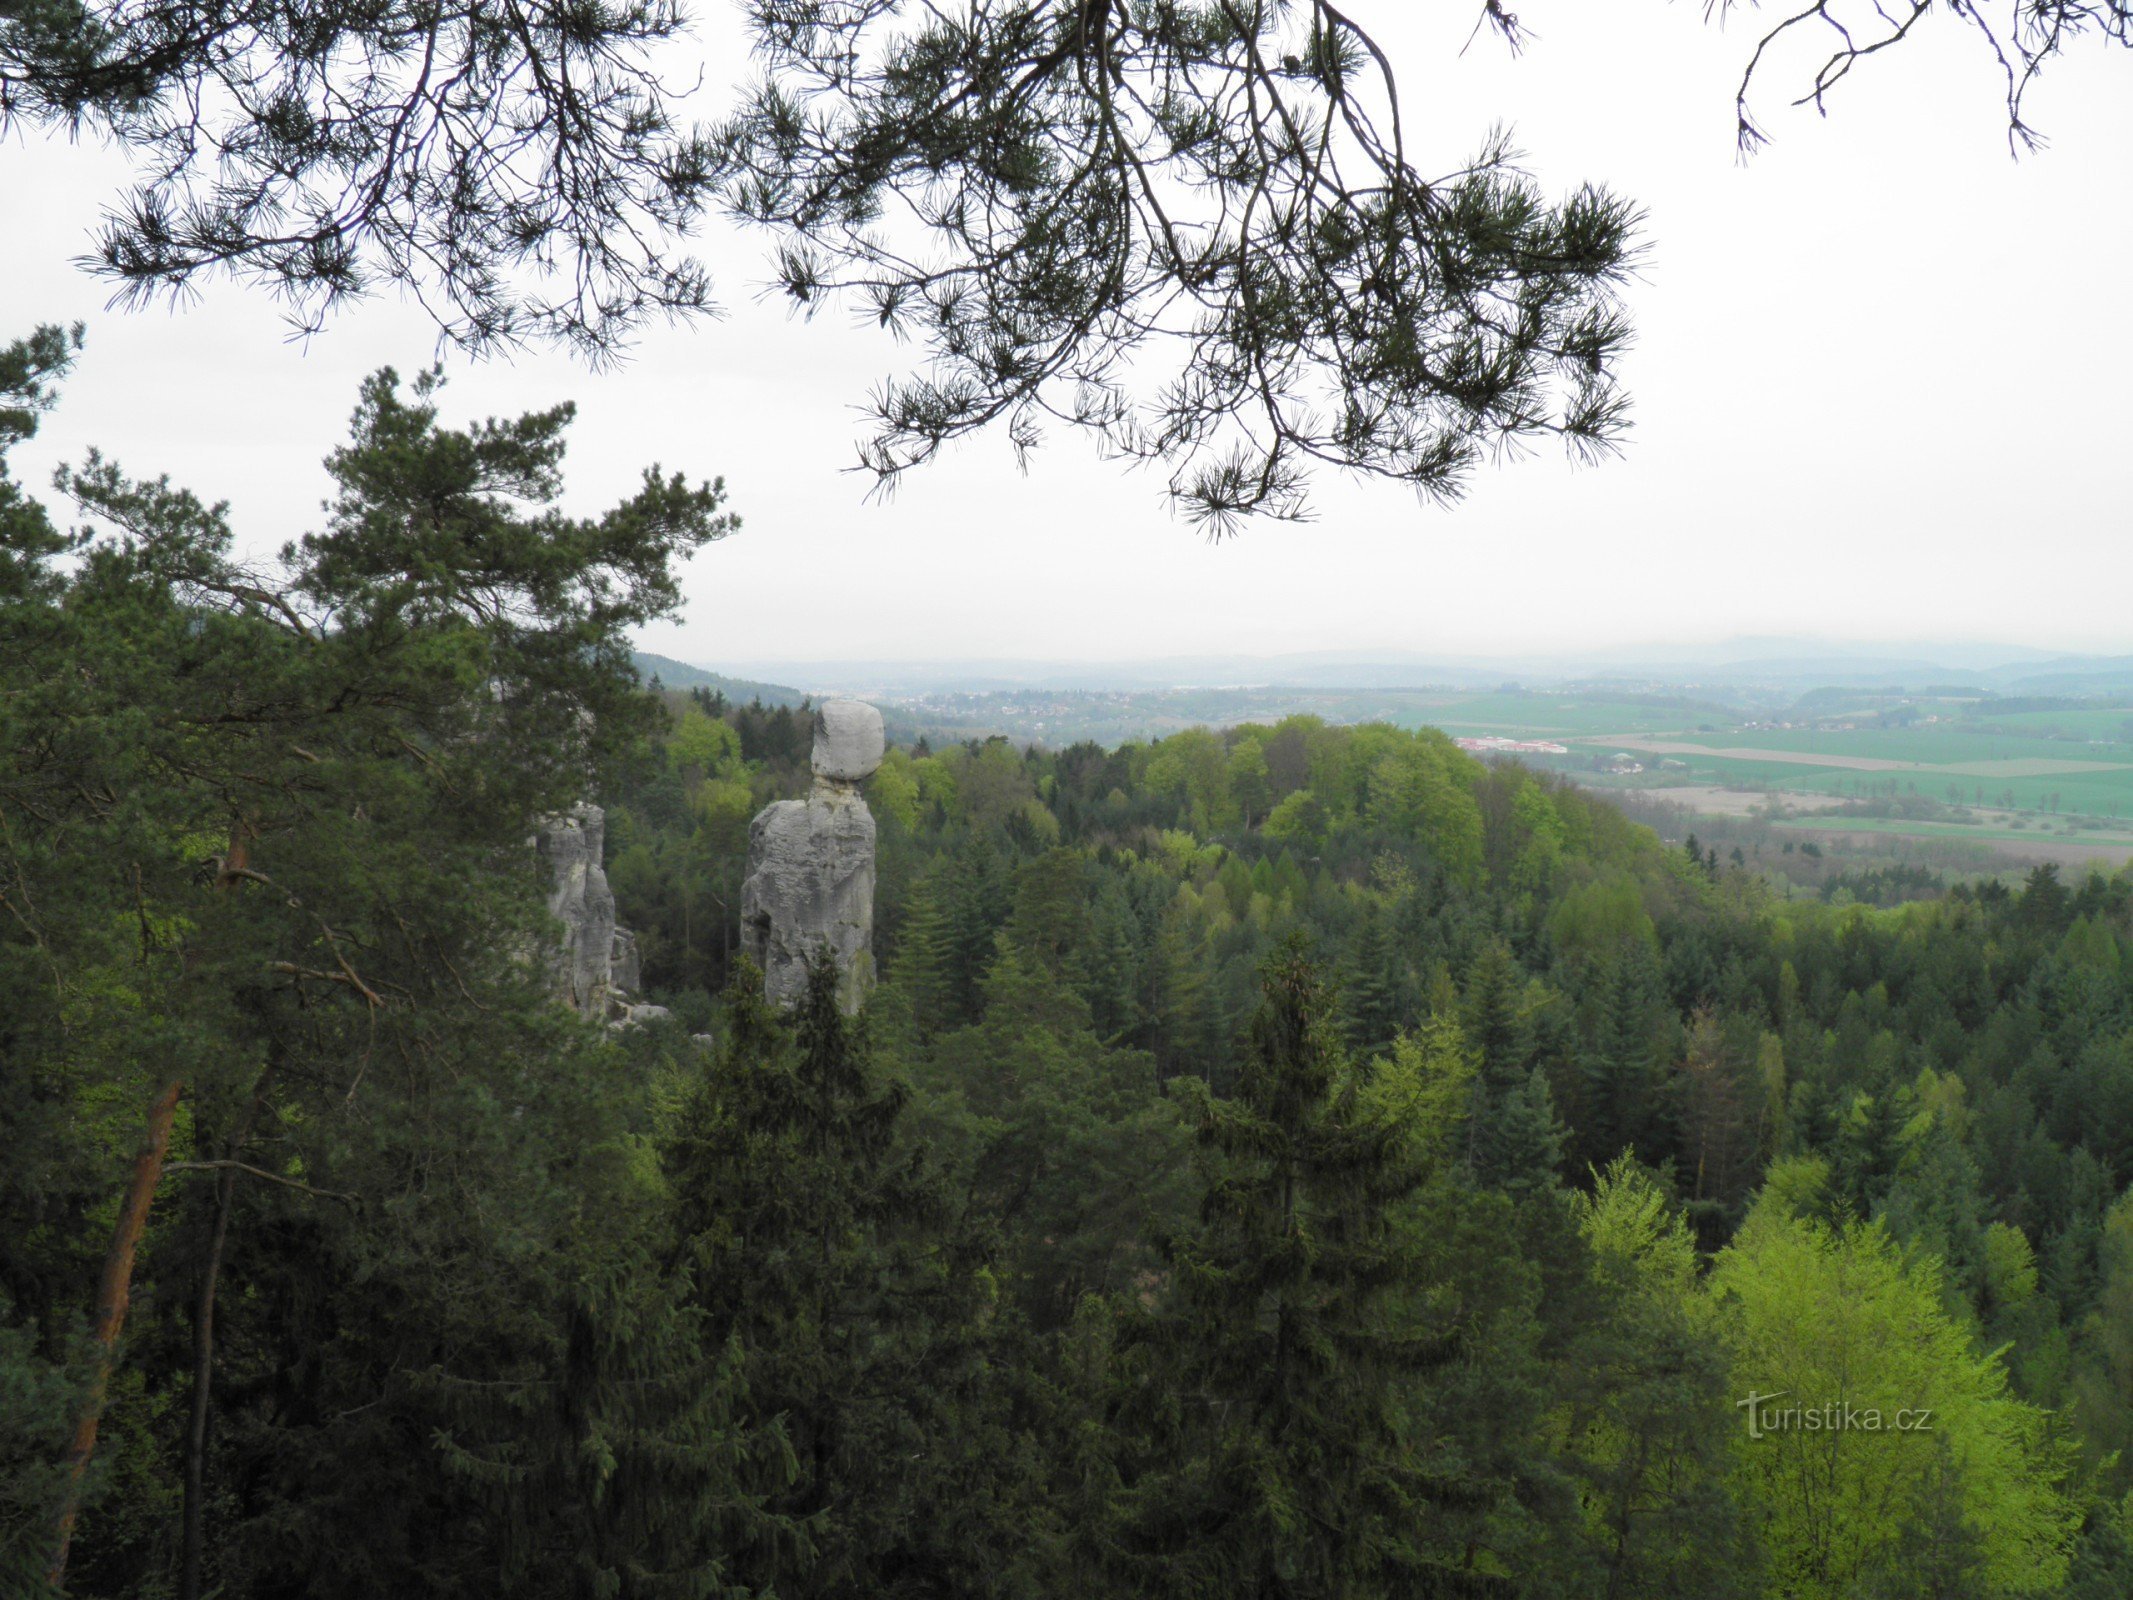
920, 1303
860, 1318
263, 847
1624, 1103
1373, 1001
1267, 1457
1066, 1140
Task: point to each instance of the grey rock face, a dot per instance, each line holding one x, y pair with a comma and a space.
810, 883
848, 741
573, 845
595, 965
624, 974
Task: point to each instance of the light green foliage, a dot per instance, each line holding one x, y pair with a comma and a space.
1596, 920
1643, 1423
1640, 1244
1837, 1317
1798, 1186
705, 747
1192, 767
1425, 1089
1421, 789
1250, 784
893, 791
989, 784
2091, 947
936, 781
723, 808
2010, 1268
2103, 1380
1541, 832
1299, 819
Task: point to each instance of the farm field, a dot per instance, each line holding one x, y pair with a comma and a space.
1563, 716
1968, 775
2006, 848
2029, 785
2026, 836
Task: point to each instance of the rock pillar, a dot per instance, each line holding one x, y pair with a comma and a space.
594, 966
810, 882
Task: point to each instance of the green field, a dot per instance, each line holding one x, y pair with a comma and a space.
1560, 716
2098, 794
2040, 768
1951, 830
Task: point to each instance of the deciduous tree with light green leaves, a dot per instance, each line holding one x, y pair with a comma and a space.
1645, 1418
1838, 1323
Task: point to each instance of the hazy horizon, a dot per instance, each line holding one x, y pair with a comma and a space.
1978, 655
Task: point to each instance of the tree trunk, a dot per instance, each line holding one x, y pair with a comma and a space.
114, 1290
195, 1511
203, 1381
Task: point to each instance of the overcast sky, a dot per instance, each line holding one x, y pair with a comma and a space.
1879, 382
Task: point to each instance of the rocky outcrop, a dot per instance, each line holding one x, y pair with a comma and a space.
594, 967
810, 883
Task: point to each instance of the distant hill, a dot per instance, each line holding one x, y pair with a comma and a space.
2075, 675
1753, 667
680, 675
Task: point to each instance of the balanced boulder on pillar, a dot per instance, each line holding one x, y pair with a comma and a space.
810, 884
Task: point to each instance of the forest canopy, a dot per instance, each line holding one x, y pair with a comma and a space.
1291, 1159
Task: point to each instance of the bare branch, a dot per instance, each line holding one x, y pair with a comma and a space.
261, 1172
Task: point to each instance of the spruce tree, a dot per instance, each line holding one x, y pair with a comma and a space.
1372, 987
1623, 1085
923, 966
980, 899
1513, 1137
822, 1254
1263, 1400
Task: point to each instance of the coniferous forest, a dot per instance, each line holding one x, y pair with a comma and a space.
1294, 1161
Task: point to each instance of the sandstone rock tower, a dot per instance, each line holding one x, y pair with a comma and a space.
594, 967
811, 866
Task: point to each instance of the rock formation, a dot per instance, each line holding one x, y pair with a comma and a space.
810, 878
595, 966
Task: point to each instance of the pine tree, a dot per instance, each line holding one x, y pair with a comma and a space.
264, 846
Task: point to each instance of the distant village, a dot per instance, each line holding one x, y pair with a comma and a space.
1621, 763
1496, 745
